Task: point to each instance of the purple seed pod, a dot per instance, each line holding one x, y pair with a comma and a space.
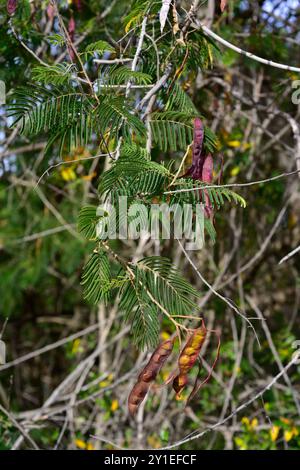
207, 177
208, 168
11, 6
198, 157
71, 28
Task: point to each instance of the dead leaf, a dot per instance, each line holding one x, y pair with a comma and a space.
175, 20
163, 14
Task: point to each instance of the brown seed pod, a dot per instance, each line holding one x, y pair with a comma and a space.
188, 358
148, 375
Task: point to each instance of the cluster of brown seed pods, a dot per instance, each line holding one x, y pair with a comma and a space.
188, 357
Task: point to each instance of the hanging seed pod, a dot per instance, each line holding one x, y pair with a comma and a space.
71, 31
223, 5
198, 158
188, 358
71, 28
11, 6
207, 177
50, 11
148, 375
199, 384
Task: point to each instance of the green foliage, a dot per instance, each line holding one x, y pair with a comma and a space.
154, 278
112, 114
98, 47
121, 75
173, 130
96, 278
70, 112
64, 114
87, 222
59, 74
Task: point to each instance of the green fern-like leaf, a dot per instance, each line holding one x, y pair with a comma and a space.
121, 75
59, 74
98, 47
96, 278
87, 222
141, 313
172, 130
64, 115
167, 285
191, 191
113, 115
180, 101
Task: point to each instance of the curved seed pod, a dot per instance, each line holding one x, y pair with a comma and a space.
223, 5
195, 171
207, 177
11, 6
71, 28
50, 11
188, 358
199, 384
71, 31
148, 375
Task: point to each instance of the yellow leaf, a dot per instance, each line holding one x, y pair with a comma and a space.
80, 444
114, 405
288, 435
90, 446
131, 21
274, 432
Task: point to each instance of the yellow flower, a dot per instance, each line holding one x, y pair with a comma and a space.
240, 443
245, 421
274, 432
80, 444
68, 174
105, 383
235, 171
90, 446
165, 336
114, 405
254, 423
288, 435
234, 143
76, 345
